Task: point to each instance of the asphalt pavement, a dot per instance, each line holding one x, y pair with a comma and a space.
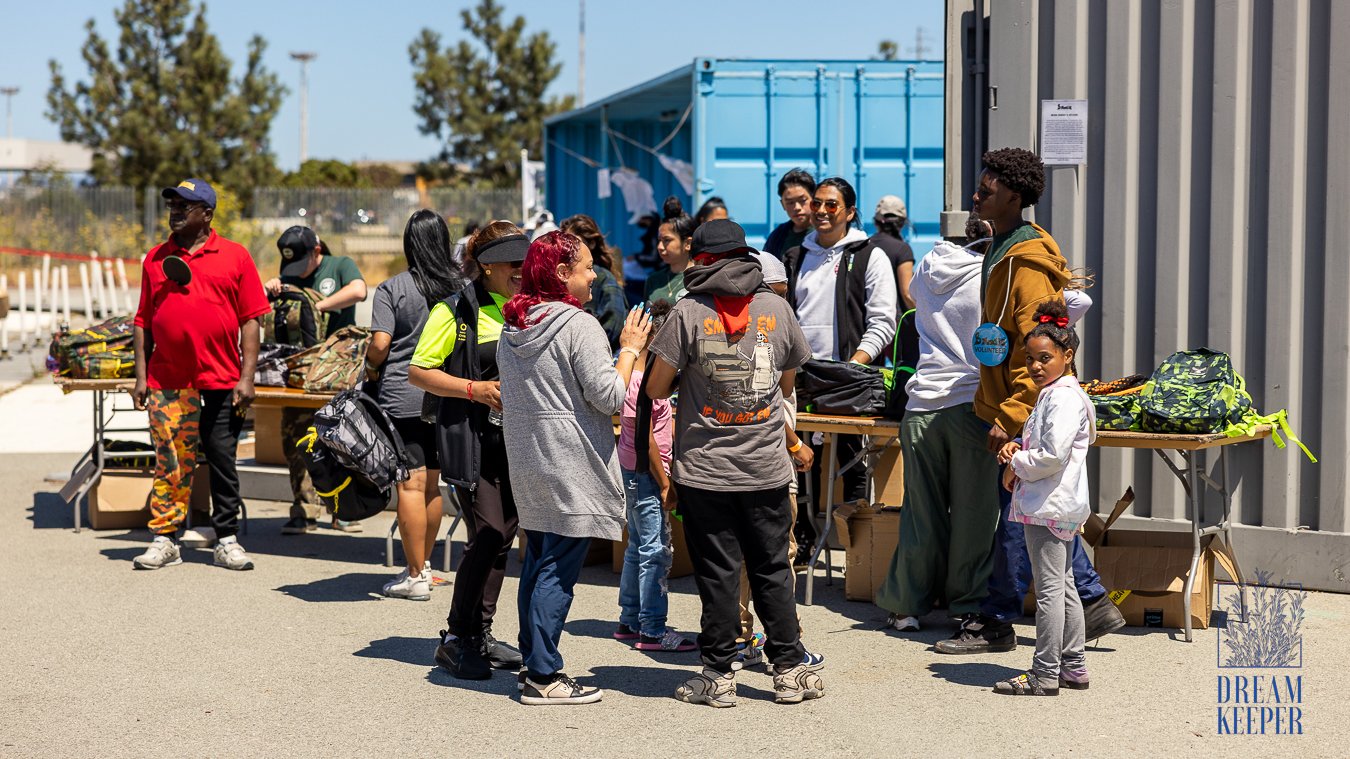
302, 657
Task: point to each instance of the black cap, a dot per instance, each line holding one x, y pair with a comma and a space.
295, 245
719, 237
192, 190
503, 250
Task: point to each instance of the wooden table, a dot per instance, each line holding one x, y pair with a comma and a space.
1194, 478
89, 468
878, 433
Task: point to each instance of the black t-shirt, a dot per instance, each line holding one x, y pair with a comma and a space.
896, 249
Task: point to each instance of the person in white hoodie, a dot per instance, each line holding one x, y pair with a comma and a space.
838, 258
951, 496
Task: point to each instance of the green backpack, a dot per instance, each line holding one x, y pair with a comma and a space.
1194, 392
1116, 412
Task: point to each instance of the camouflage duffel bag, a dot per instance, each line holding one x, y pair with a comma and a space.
114, 364
69, 348
336, 364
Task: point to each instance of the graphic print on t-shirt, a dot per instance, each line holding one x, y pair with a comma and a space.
327, 286
741, 387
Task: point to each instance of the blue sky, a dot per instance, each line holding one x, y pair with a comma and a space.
361, 85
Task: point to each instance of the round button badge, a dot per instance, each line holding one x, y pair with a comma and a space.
991, 344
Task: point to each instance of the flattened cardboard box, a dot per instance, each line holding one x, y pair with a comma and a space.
120, 500
1146, 571
869, 534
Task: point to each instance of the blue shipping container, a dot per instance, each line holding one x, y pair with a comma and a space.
742, 124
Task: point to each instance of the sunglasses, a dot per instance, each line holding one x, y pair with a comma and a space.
830, 206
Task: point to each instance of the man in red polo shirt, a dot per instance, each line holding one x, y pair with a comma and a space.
200, 294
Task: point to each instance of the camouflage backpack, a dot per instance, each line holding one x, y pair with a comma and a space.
1116, 403
334, 365
1194, 392
71, 350
294, 320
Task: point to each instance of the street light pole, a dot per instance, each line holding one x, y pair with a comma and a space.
304, 58
581, 57
9, 93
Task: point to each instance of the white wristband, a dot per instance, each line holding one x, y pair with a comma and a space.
636, 354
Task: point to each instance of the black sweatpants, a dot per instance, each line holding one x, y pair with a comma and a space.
723, 529
490, 515
219, 430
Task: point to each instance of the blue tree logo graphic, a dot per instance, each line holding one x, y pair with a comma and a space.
1271, 634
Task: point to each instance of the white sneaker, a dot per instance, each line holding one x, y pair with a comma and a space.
163, 552
426, 572
709, 687
411, 588
903, 624
230, 554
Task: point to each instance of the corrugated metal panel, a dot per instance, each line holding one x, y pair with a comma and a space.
1214, 209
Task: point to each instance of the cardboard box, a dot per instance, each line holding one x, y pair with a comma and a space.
869, 534
888, 478
267, 443
681, 564
1146, 570
120, 500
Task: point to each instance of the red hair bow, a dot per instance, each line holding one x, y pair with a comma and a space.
1060, 321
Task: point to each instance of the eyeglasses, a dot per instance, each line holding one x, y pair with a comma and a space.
830, 206
183, 205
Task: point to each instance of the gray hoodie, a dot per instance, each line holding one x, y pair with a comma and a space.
946, 292
815, 298
560, 391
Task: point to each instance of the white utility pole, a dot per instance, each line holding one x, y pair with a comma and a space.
9, 93
581, 58
304, 58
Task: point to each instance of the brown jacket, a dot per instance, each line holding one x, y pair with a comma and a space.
1039, 273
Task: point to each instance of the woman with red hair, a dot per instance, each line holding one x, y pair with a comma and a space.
560, 392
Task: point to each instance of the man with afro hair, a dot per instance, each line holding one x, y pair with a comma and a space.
1022, 269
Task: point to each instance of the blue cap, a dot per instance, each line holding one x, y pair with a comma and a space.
192, 190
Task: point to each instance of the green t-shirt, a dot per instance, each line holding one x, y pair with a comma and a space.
438, 334
664, 285
332, 274
999, 247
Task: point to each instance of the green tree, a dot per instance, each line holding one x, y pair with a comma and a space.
325, 173
887, 50
485, 99
163, 106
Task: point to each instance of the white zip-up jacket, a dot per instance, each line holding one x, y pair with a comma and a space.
1052, 466
815, 298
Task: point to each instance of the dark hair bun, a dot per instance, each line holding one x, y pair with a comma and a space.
1055, 309
671, 209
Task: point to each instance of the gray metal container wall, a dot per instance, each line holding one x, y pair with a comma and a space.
1214, 208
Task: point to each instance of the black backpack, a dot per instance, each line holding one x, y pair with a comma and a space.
354, 456
294, 320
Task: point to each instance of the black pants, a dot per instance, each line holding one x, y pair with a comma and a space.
219, 432
722, 530
490, 515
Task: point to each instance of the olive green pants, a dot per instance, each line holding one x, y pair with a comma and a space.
950, 513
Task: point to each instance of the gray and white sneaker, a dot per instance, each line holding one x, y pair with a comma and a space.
426, 572
800, 683
406, 586
709, 687
230, 554
902, 624
559, 689
163, 552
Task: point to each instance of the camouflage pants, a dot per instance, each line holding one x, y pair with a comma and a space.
295, 424
175, 417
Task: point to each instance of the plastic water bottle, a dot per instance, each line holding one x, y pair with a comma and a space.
495, 417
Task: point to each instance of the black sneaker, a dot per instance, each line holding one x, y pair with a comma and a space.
978, 635
1100, 618
498, 654
558, 689
463, 658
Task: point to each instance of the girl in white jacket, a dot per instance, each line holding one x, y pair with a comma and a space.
1047, 474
